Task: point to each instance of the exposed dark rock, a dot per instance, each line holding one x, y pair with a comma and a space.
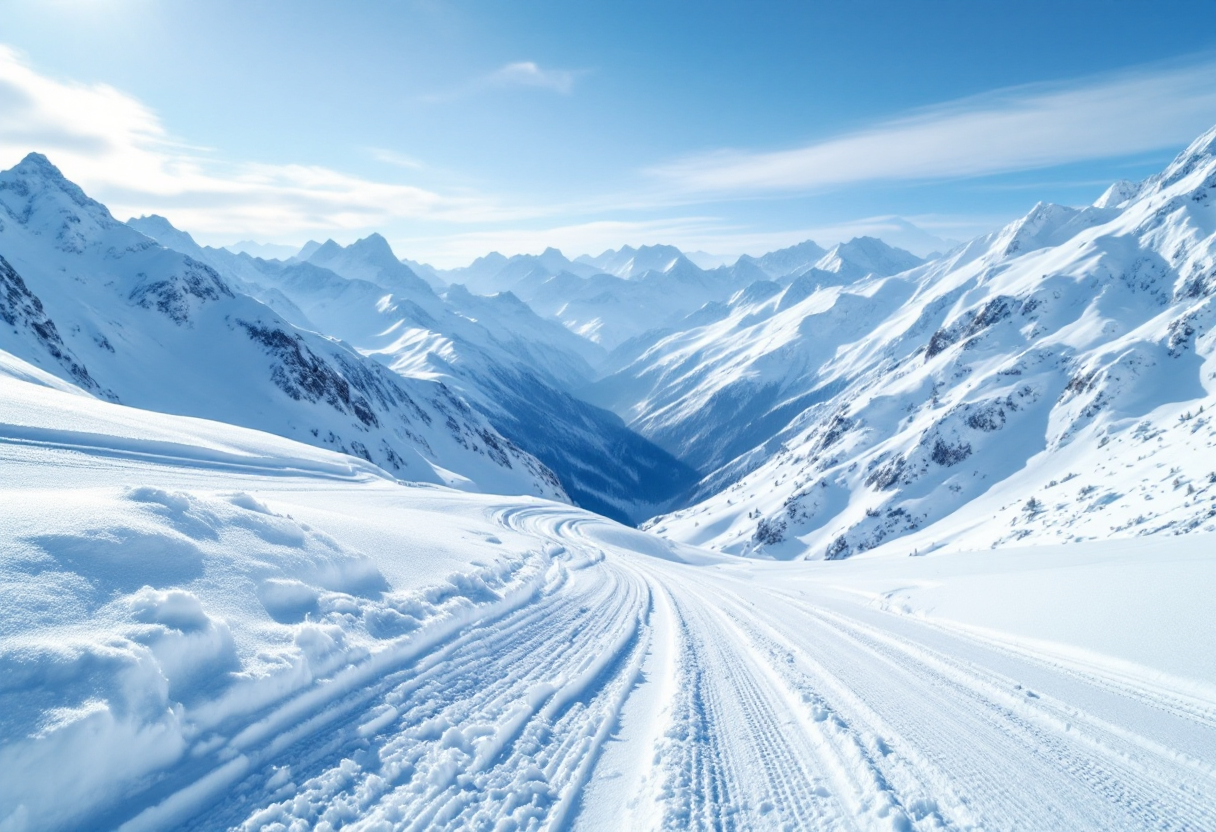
19, 307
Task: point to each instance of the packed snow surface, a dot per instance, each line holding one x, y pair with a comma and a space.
209, 627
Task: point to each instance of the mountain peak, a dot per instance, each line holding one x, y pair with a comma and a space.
1118, 193
1205, 145
164, 232
37, 168
372, 242
329, 248
307, 250
40, 164
38, 196
866, 255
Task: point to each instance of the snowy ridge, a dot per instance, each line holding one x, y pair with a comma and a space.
622, 295
103, 306
516, 368
1049, 382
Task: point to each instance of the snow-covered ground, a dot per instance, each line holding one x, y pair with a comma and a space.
209, 627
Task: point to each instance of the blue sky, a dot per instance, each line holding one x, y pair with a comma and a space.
459, 127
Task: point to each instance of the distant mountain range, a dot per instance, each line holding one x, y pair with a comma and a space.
1048, 381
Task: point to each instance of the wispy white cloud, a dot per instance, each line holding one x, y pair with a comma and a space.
528, 74
121, 153
392, 157
1010, 130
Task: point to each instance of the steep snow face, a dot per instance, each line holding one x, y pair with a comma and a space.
372, 259
788, 260
865, 256
95, 302
1050, 382
513, 366
631, 262
733, 373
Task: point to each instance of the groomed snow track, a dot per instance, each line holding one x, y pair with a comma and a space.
620, 690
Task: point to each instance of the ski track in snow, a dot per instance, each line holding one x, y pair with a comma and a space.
500, 722
611, 687
786, 715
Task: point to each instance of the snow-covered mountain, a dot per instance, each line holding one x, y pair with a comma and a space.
515, 367
657, 287
790, 260
255, 604
1051, 381
631, 293
630, 262
888, 383
861, 257
730, 375
496, 273
99, 304
371, 259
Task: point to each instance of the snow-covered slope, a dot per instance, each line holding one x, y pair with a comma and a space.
732, 374
790, 260
1050, 382
516, 368
207, 627
97, 303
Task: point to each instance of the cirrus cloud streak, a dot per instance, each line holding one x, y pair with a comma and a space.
1010, 130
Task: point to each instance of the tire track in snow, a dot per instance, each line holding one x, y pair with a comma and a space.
733, 757
859, 785
514, 703
495, 745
